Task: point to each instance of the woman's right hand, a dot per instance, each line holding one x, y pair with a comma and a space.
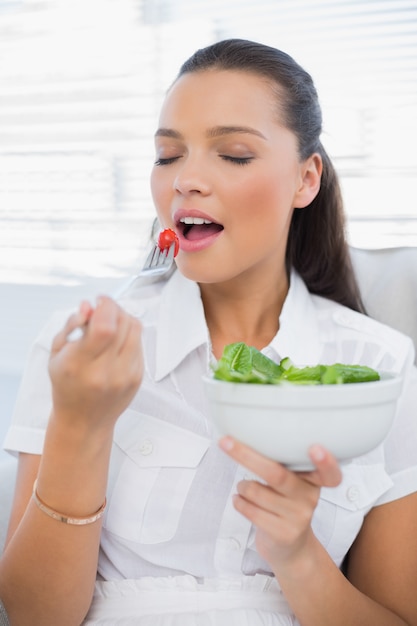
95, 377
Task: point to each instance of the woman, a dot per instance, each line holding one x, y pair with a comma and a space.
190, 535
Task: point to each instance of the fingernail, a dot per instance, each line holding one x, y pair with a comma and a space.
226, 444
317, 453
86, 309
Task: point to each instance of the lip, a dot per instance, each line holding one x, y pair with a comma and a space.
200, 244
180, 213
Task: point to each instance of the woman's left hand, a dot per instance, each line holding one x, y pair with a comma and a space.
282, 502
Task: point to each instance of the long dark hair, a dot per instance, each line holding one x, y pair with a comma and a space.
317, 246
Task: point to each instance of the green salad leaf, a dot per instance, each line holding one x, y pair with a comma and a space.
242, 363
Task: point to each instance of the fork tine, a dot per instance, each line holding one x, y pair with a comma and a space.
169, 257
160, 258
149, 258
156, 257
164, 257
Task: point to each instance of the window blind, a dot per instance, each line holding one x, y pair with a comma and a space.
81, 82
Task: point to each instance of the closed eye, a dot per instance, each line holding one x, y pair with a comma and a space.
168, 161
237, 160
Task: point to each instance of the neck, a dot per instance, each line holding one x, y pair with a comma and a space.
243, 311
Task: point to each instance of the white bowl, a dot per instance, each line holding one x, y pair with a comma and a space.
282, 421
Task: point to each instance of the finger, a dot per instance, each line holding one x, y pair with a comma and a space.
260, 495
130, 337
85, 311
299, 503
327, 472
131, 356
114, 332
126, 341
126, 351
131, 345
272, 472
264, 496
263, 519
103, 327
76, 320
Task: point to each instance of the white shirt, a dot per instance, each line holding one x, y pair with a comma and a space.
169, 495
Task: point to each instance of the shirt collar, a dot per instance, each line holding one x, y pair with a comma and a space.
298, 337
181, 326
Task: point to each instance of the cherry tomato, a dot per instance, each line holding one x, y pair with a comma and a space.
166, 238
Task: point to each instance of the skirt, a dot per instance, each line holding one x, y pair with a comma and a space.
187, 601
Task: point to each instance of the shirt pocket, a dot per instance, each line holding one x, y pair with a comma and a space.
153, 467
341, 510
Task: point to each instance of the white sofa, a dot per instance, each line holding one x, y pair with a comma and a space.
388, 282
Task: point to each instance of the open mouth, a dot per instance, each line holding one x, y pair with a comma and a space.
195, 228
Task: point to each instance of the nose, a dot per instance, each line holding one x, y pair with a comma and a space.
191, 177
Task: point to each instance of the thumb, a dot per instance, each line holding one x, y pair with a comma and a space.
76, 320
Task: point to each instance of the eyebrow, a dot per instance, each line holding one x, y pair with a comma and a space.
219, 131
216, 131
168, 132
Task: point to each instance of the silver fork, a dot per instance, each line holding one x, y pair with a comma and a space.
157, 264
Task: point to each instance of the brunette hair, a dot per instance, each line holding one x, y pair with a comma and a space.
317, 246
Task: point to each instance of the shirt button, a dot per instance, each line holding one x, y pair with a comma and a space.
234, 544
353, 493
146, 447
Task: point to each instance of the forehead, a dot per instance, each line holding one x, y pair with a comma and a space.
209, 95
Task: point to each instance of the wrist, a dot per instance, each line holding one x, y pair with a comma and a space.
301, 564
78, 428
74, 466
66, 518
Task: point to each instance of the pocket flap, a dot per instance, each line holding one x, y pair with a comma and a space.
360, 488
151, 442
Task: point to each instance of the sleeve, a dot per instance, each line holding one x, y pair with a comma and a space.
400, 446
34, 400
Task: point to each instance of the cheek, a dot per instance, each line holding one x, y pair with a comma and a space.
159, 191
155, 184
263, 198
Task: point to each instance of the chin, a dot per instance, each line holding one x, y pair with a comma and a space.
204, 274
199, 277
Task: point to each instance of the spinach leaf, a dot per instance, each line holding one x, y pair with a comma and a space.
340, 374
242, 363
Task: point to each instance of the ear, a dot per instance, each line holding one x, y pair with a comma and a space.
311, 170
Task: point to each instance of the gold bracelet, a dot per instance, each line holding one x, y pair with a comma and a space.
65, 519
